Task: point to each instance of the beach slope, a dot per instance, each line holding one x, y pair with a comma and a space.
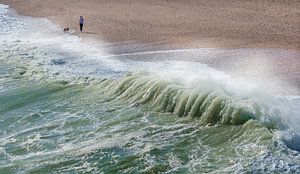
179, 24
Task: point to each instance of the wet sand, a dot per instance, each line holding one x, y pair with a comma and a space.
174, 23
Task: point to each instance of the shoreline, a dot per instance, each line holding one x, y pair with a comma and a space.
174, 25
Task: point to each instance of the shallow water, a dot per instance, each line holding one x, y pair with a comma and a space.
72, 107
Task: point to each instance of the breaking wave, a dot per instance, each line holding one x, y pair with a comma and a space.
210, 106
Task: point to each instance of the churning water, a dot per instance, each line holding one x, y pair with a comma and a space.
73, 107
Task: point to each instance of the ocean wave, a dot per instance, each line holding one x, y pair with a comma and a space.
210, 105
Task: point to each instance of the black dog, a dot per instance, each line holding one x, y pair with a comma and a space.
66, 29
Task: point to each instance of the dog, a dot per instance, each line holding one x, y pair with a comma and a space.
66, 29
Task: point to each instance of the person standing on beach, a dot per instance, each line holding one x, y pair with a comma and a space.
81, 22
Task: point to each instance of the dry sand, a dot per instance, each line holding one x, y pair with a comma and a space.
177, 23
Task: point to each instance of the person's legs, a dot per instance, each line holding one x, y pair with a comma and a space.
81, 26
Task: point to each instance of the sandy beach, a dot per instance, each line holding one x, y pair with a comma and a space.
179, 24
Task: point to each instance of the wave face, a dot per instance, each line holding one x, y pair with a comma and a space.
70, 107
210, 106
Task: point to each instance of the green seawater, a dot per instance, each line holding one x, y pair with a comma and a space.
134, 124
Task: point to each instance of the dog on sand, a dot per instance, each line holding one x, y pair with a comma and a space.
66, 29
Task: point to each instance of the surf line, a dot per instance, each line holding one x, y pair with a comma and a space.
157, 52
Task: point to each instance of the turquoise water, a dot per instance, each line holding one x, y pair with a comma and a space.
70, 107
